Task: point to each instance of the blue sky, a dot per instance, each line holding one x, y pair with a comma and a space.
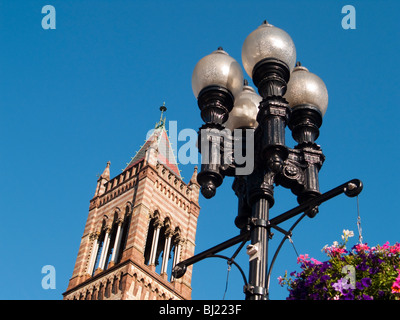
73, 98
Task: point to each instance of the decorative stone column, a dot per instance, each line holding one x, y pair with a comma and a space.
106, 242
156, 235
94, 237
167, 247
117, 244
177, 253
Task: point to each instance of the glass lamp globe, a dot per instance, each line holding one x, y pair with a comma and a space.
245, 109
305, 87
217, 69
268, 41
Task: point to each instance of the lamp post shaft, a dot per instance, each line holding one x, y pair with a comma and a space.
258, 251
260, 195
270, 77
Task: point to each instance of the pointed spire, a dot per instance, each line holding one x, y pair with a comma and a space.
157, 148
193, 179
106, 172
100, 181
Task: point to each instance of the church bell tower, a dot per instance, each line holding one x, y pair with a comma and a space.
140, 224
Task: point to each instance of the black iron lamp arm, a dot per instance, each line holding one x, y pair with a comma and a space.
351, 188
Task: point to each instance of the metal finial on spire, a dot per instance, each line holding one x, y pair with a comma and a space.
163, 108
161, 123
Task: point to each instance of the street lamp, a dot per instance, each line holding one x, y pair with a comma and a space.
290, 96
245, 108
216, 79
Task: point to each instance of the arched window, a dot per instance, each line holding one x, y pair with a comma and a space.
162, 246
97, 250
149, 239
152, 239
160, 250
176, 249
113, 242
125, 231
99, 246
107, 249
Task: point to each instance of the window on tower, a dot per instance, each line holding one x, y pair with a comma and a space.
107, 249
163, 245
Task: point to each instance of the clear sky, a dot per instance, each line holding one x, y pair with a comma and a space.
73, 98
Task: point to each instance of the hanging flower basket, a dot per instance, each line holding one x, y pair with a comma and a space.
363, 273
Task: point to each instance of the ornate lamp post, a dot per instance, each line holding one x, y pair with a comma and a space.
289, 96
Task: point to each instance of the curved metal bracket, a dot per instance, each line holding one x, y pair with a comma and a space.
351, 189
179, 270
287, 236
231, 261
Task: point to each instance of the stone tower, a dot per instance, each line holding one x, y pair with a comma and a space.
140, 224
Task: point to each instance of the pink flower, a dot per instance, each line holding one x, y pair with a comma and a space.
396, 284
334, 250
362, 247
315, 261
395, 248
396, 287
386, 246
337, 251
302, 258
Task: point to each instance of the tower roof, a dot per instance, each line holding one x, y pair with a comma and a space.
159, 141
